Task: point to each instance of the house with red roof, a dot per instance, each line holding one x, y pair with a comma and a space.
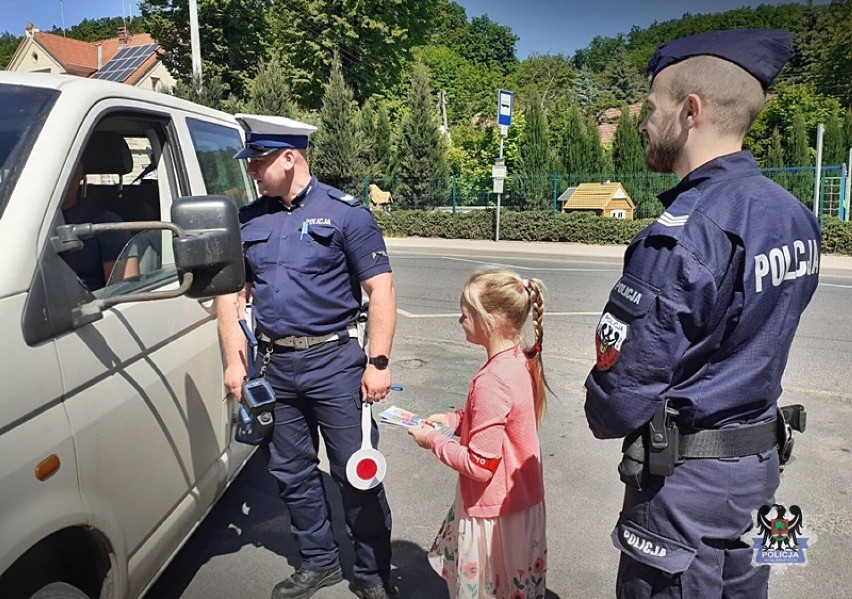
133, 59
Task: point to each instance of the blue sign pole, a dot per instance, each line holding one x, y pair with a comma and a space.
505, 104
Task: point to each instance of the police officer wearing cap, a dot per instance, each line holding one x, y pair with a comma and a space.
693, 341
309, 251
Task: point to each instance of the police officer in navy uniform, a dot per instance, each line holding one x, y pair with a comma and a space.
309, 250
695, 336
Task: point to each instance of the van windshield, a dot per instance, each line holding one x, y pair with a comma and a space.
24, 111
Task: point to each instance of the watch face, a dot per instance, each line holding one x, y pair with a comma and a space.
380, 362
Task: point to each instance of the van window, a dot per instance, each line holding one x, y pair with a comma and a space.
215, 146
24, 111
124, 174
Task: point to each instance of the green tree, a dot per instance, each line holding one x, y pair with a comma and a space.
421, 176
798, 150
8, 44
93, 30
625, 81
549, 77
834, 148
210, 94
628, 156
847, 129
491, 43
586, 88
533, 181
775, 154
337, 148
269, 91
373, 38
799, 154
382, 149
596, 162
574, 145
233, 36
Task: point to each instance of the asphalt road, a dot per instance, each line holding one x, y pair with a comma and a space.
243, 548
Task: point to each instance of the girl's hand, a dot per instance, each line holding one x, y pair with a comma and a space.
420, 433
437, 419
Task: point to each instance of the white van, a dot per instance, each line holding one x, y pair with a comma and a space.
116, 435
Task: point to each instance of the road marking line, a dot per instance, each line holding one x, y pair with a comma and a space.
530, 267
833, 285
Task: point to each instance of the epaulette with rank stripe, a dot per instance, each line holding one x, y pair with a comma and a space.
343, 197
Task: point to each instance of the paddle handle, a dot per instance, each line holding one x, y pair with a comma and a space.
366, 425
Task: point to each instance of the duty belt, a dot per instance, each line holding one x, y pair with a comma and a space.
732, 442
301, 343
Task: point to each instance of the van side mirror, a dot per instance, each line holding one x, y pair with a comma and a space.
210, 248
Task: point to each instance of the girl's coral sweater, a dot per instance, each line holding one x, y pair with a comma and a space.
498, 422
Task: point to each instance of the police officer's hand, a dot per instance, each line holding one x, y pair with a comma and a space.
375, 384
234, 376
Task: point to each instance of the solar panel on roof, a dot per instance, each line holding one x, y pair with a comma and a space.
126, 60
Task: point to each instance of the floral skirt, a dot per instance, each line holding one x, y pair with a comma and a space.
502, 558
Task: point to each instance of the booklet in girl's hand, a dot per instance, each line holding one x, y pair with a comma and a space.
396, 415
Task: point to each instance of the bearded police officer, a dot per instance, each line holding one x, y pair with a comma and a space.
695, 336
309, 250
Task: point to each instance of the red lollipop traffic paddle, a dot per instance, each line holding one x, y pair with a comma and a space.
366, 467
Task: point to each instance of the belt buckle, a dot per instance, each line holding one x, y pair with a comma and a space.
300, 343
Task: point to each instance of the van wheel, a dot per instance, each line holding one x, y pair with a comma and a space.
59, 590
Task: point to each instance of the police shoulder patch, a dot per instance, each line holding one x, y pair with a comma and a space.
609, 337
343, 197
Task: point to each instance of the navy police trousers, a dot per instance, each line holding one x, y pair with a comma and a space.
318, 390
680, 536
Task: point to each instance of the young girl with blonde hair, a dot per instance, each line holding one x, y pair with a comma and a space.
493, 541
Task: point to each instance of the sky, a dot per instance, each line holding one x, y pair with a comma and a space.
544, 26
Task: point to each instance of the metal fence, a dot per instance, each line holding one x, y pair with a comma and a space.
544, 192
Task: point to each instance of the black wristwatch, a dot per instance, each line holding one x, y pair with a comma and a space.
380, 362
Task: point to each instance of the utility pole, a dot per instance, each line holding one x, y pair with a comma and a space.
442, 108
195, 44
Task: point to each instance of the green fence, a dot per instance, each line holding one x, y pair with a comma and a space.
549, 192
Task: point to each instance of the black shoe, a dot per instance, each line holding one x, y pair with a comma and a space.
304, 583
385, 591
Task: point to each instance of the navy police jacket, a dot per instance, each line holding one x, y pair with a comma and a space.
707, 305
305, 263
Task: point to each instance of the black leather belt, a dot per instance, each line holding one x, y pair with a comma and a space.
732, 442
301, 343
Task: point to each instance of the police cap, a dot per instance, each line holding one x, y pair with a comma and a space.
267, 134
760, 52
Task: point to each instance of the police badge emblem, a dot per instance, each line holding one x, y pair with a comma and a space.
609, 337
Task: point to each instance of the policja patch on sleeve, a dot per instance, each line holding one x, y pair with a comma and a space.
609, 337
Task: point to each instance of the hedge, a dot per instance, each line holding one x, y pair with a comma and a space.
531, 225
528, 225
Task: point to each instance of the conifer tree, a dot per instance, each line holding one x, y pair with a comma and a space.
834, 150
798, 150
269, 91
421, 175
595, 158
628, 156
573, 147
382, 141
775, 153
534, 159
799, 154
336, 146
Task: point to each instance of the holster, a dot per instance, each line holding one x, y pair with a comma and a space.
790, 418
653, 449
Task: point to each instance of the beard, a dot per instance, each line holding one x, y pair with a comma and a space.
664, 152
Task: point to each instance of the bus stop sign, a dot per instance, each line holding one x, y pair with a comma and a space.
505, 100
